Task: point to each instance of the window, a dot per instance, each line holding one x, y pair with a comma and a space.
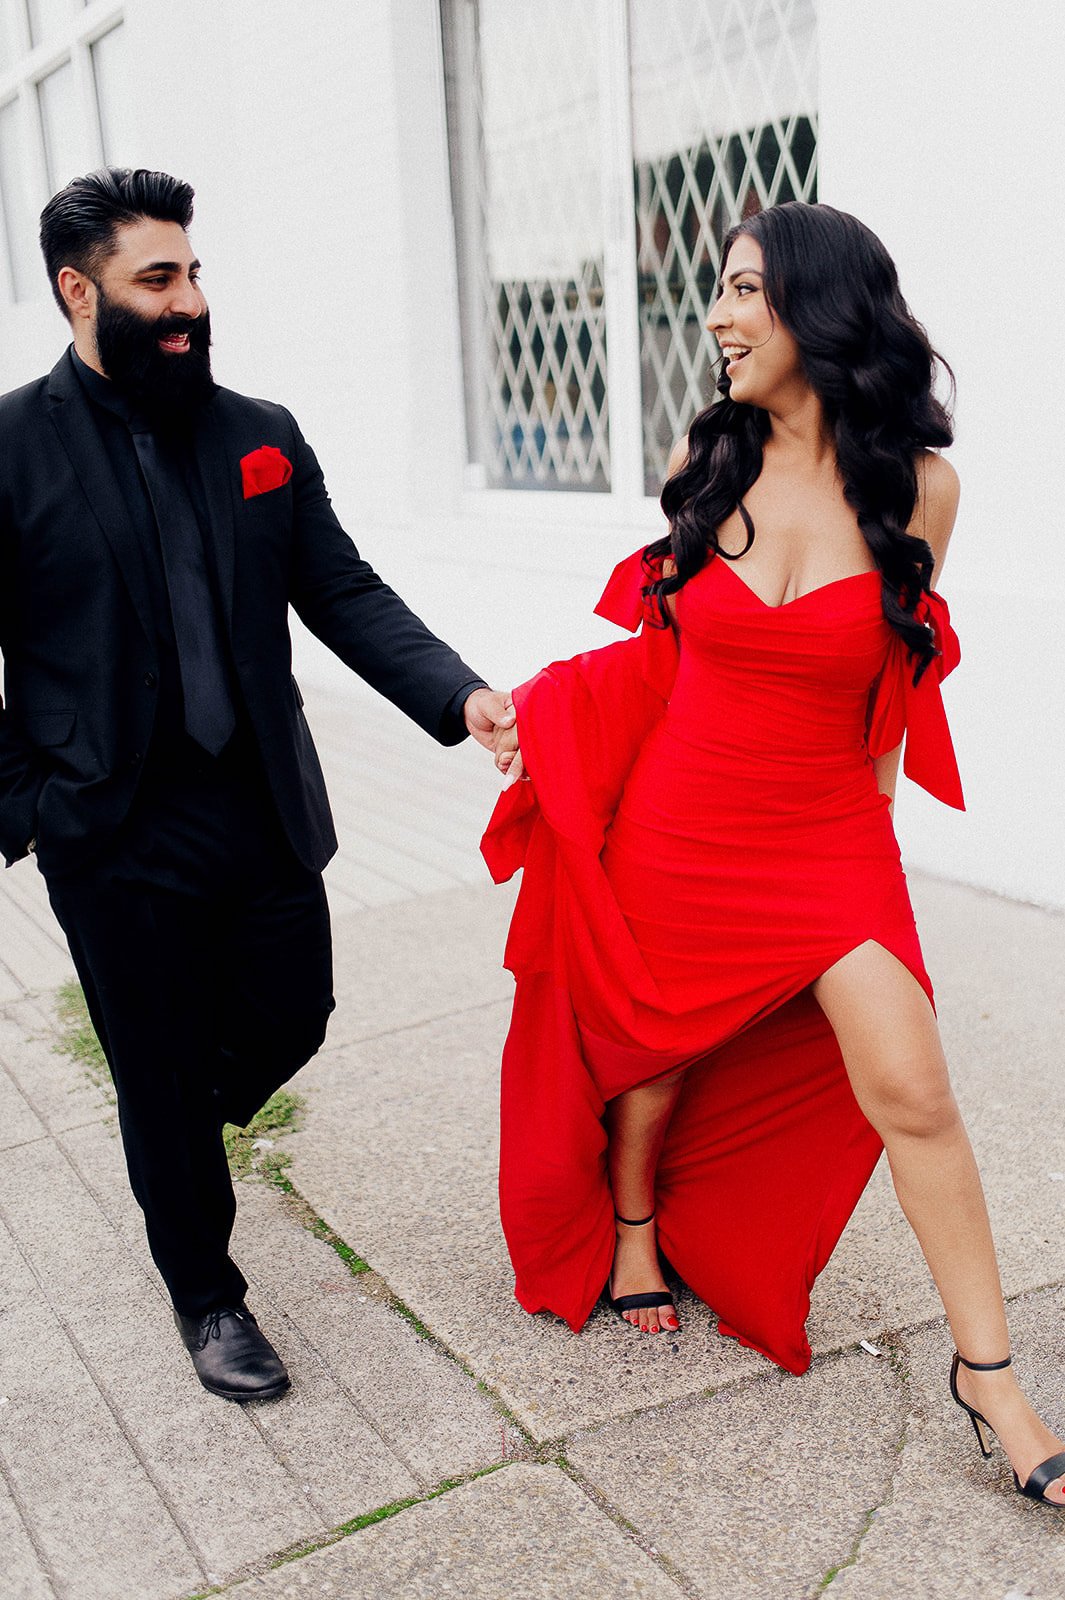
527, 127
61, 113
599, 153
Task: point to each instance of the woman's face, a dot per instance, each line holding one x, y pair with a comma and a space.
764, 366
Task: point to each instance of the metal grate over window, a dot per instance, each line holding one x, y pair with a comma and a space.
600, 150
724, 124
524, 123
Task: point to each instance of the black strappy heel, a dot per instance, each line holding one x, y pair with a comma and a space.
637, 1302
1042, 1476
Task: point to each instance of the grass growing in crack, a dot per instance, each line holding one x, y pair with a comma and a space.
354, 1263
381, 1514
78, 1038
280, 1114
833, 1572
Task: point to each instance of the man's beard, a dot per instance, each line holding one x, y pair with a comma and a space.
169, 389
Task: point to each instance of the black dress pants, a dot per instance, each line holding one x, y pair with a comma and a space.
203, 948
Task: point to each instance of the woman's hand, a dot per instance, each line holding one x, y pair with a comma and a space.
508, 755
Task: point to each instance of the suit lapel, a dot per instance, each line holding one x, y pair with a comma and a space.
71, 415
218, 474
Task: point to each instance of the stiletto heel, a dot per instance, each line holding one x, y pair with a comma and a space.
985, 1433
637, 1302
1042, 1476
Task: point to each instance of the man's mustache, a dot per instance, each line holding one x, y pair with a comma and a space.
190, 325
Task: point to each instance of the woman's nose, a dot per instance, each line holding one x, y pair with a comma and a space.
715, 317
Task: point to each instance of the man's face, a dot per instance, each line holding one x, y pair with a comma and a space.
150, 323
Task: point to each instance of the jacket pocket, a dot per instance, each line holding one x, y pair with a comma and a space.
49, 728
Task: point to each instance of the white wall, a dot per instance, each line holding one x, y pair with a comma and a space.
941, 128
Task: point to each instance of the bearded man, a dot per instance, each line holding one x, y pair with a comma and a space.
154, 530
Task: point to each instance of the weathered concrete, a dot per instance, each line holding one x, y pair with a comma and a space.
758, 1491
524, 1531
119, 1476
952, 1523
419, 960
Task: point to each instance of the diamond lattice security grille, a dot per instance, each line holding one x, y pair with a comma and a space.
724, 124
526, 178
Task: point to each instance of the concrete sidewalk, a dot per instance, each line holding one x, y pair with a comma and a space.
437, 1441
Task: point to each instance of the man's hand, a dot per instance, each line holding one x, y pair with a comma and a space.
490, 718
485, 712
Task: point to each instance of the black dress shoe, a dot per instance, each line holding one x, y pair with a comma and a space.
232, 1358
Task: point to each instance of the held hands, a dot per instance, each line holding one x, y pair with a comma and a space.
489, 716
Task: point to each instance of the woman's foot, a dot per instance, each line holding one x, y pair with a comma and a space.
1023, 1435
637, 1271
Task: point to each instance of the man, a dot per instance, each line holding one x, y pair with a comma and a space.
154, 530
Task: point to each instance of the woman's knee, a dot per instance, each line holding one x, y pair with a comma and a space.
913, 1103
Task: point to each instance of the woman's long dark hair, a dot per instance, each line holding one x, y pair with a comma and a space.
833, 285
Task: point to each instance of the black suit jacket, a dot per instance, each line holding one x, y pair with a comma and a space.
77, 635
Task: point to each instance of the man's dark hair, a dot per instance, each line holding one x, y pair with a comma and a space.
78, 225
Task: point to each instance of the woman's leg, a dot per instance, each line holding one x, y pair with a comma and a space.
890, 1043
636, 1126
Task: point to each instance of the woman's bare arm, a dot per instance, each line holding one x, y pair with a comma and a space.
938, 490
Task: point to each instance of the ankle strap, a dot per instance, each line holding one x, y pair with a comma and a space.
985, 1366
634, 1222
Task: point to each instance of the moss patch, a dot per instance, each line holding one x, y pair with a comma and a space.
78, 1038
280, 1114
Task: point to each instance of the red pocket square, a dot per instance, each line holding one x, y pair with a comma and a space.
264, 469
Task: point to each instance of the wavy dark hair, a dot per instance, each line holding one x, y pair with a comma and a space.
833, 285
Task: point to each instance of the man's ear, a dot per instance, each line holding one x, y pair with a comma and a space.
78, 292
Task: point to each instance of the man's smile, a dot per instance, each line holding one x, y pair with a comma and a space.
175, 343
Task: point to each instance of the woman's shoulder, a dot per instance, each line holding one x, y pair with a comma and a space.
678, 458
938, 493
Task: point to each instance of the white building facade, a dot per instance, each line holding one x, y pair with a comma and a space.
470, 244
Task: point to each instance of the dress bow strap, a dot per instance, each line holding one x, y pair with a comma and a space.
623, 600
899, 707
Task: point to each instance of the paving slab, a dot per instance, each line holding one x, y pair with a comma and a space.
400, 965
98, 1522
19, 1123
24, 1574
953, 1525
524, 1531
758, 1491
399, 1154
59, 1090
34, 950
215, 1470
431, 1414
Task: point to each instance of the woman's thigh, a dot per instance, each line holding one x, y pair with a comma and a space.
889, 1039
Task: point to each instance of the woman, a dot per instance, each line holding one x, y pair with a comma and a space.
722, 1013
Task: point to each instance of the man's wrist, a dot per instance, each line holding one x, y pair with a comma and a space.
453, 712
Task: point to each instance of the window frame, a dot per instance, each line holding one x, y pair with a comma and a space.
626, 499
73, 41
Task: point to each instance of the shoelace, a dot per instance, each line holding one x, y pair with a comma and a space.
213, 1328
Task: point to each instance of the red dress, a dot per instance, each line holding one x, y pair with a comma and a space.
703, 837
